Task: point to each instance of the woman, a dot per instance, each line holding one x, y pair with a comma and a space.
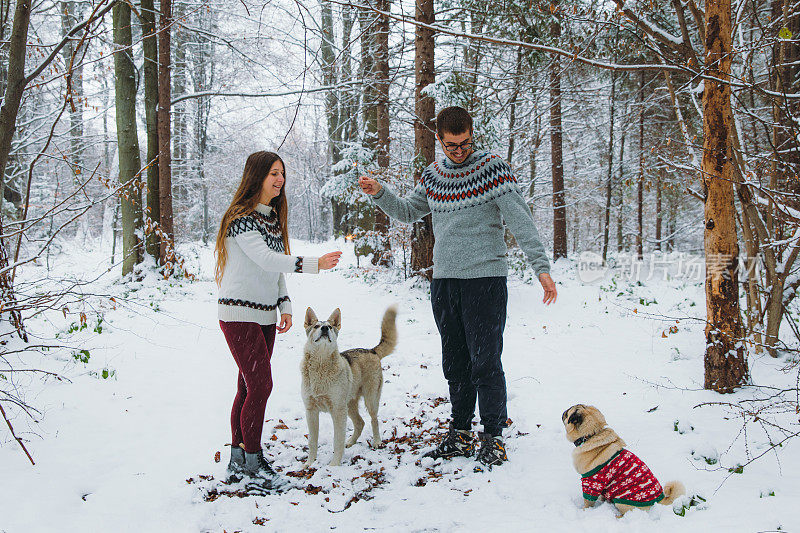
252, 254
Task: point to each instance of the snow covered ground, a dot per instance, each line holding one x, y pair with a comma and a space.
134, 451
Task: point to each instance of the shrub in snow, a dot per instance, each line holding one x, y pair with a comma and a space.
707, 453
686, 502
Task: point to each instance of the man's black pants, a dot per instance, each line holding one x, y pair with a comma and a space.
471, 316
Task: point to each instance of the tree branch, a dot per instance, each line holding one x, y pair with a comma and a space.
263, 95
49, 59
531, 46
699, 19
11, 429
661, 36
687, 41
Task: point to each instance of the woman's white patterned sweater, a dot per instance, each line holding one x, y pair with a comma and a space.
253, 287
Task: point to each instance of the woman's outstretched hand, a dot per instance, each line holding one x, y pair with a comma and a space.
285, 323
329, 260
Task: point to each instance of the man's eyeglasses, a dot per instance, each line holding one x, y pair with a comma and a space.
466, 145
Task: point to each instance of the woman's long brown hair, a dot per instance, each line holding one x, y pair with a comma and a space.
245, 200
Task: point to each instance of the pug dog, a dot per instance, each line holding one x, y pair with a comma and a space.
609, 472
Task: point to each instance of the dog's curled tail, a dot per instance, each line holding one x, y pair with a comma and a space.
388, 333
672, 491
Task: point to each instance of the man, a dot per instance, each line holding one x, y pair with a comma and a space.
469, 194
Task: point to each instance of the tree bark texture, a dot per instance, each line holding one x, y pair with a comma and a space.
556, 150
16, 80
725, 364
640, 181
381, 69
424, 133
127, 139
150, 48
164, 153
610, 175
74, 82
15, 84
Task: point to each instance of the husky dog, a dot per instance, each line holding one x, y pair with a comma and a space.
609, 472
334, 382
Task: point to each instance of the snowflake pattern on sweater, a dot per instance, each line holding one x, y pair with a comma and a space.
469, 203
453, 189
623, 479
266, 225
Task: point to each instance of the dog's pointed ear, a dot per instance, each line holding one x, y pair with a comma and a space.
335, 319
311, 318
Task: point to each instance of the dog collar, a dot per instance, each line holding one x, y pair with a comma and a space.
582, 440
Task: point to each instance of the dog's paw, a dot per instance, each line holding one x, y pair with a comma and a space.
349, 443
308, 463
376, 444
335, 462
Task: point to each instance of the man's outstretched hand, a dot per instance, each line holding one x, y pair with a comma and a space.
369, 185
549, 287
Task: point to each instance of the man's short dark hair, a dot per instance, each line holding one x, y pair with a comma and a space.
453, 120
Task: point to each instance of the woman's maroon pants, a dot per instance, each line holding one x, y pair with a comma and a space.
251, 345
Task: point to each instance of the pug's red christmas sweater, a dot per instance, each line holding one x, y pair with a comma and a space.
622, 479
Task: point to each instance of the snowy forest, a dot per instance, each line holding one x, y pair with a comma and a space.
656, 144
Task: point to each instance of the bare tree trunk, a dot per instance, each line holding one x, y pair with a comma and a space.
179, 75
536, 141
621, 188
5, 23
363, 213
15, 84
473, 53
659, 214
512, 113
333, 103
785, 166
127, 138
107, 205
640, 184
70, 14
383, 255
753, 313
115, 229
673, 223
556, 150
203, 77
369, 111
329, 78
340, 107
725, 364
150, 48
7, 295
164, 154
610, 176
424, 136
72, 53
16, 80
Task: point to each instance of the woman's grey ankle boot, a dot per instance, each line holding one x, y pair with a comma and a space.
236, 464
264, 477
